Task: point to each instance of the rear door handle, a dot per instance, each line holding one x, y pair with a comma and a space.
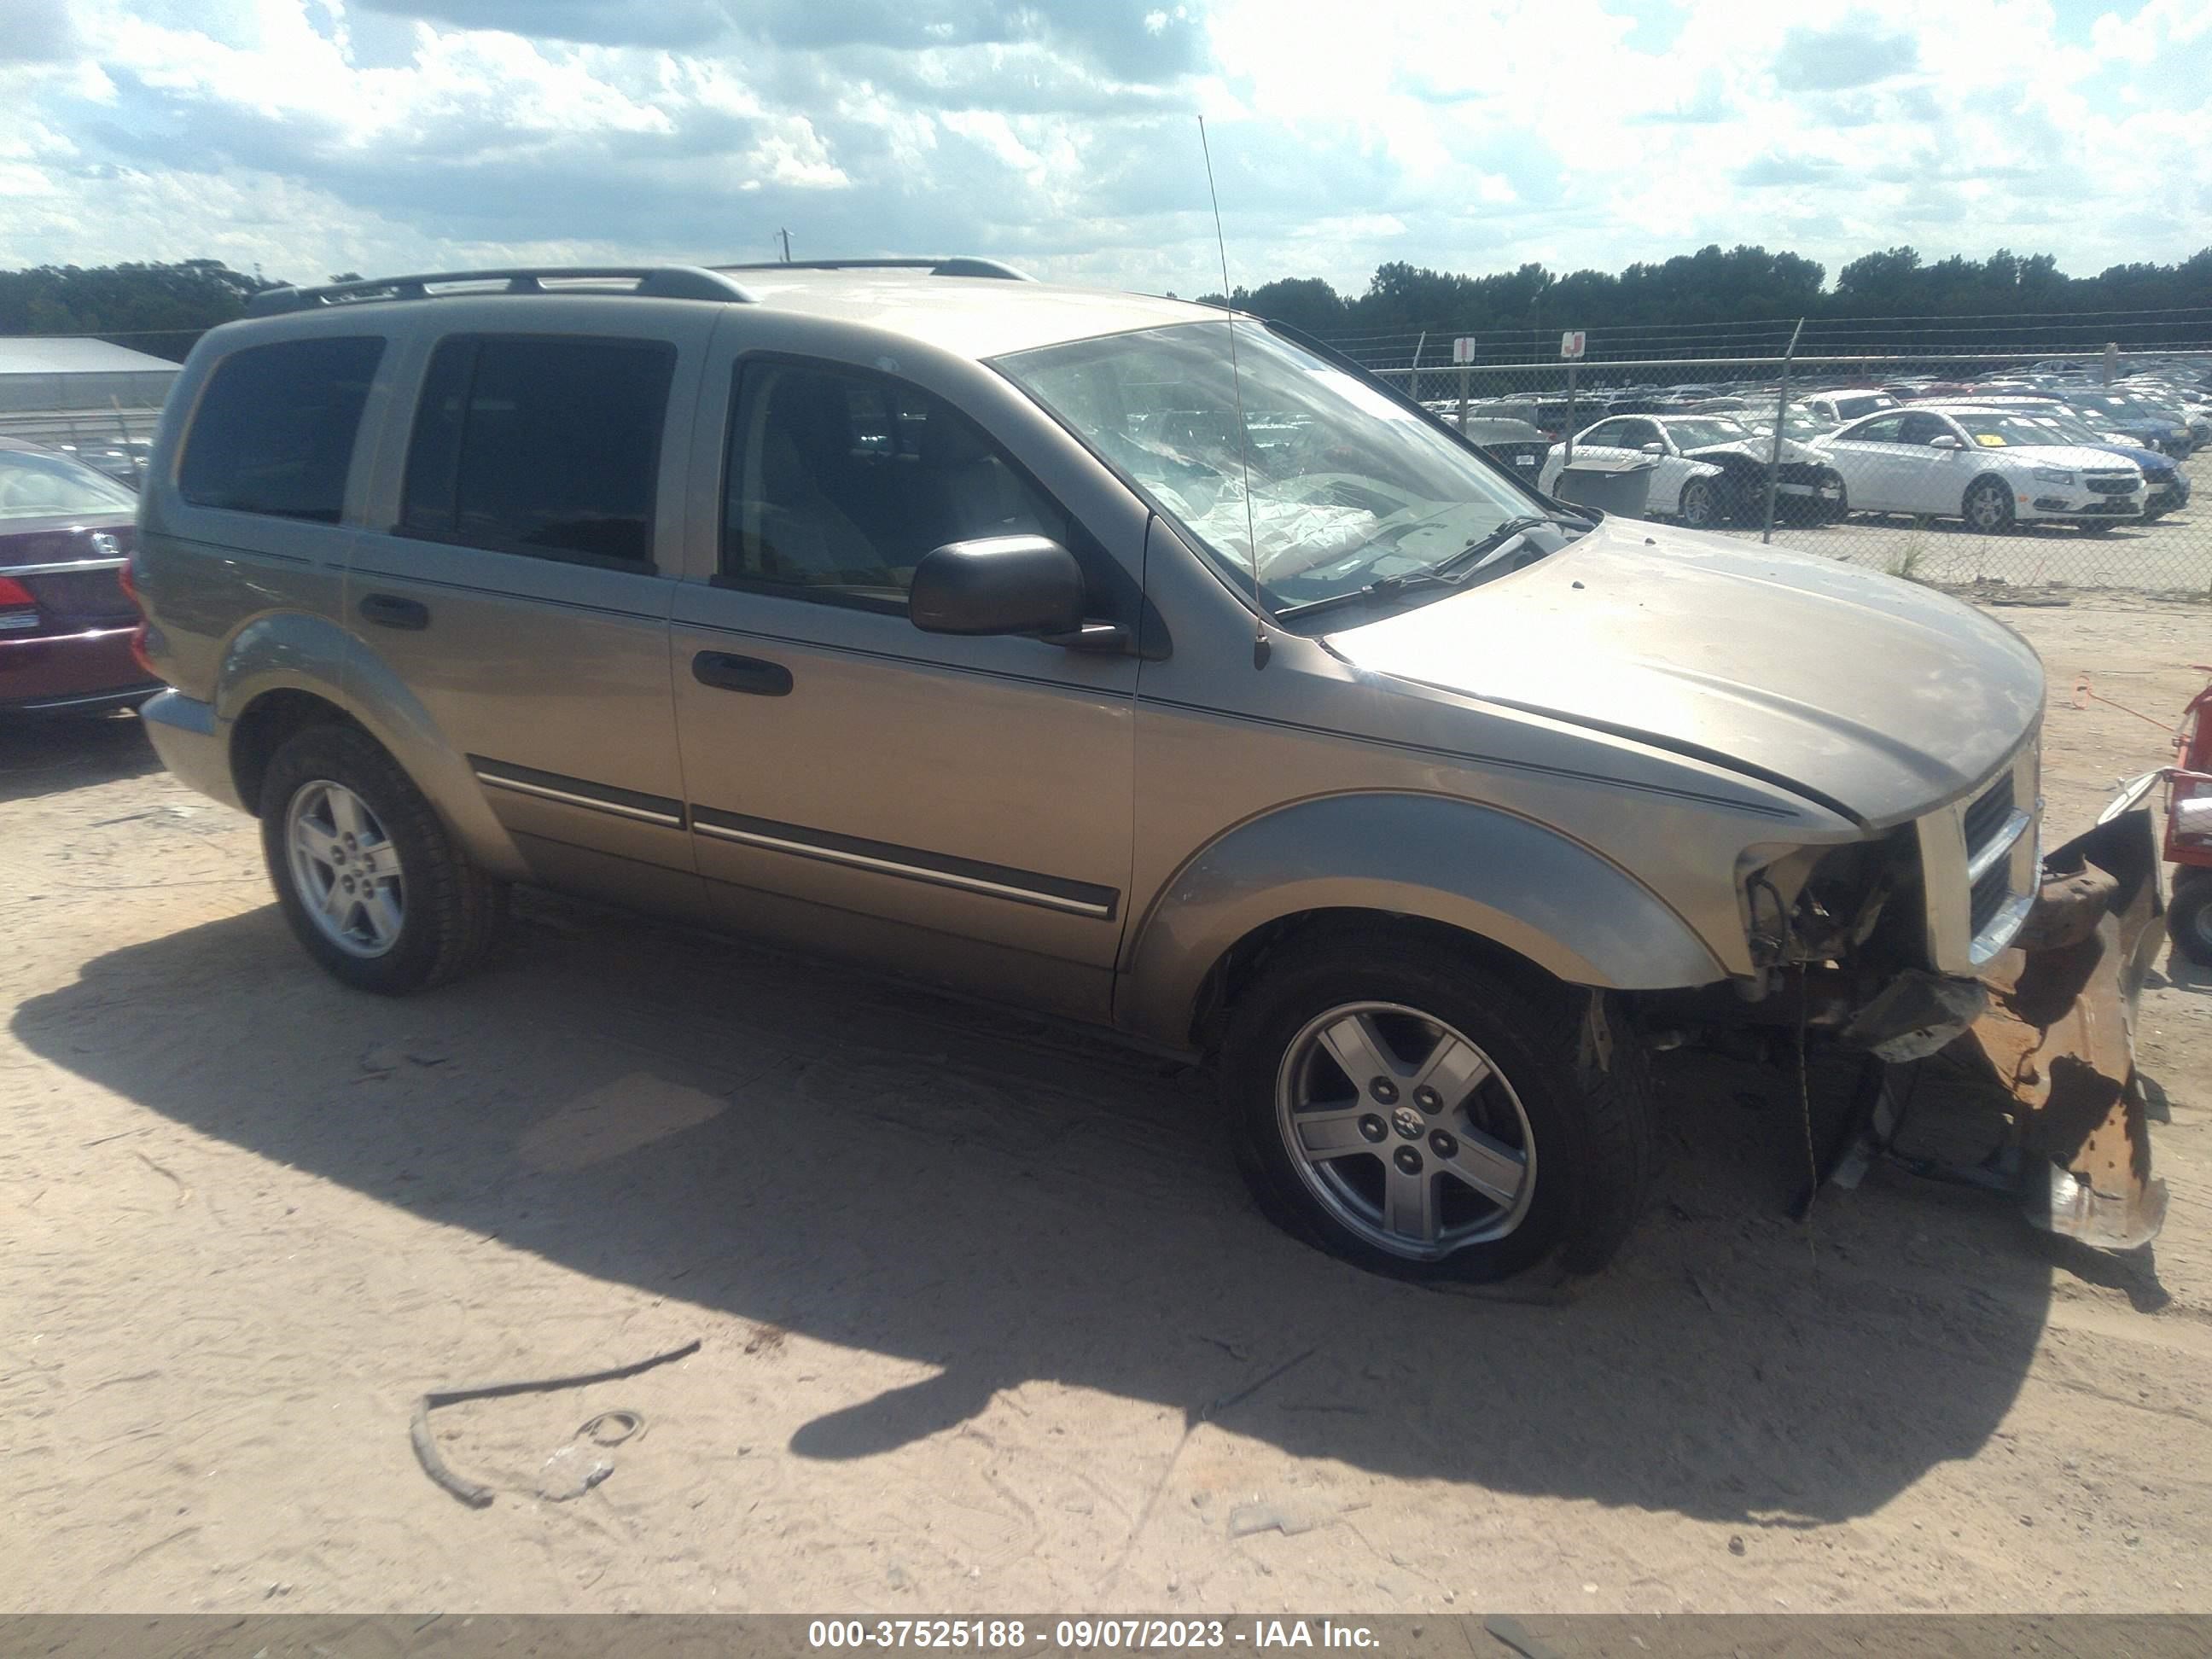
390, 611
750, 675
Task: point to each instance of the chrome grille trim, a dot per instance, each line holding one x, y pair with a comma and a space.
1981, 862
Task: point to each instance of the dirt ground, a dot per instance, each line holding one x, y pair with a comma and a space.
986, 1322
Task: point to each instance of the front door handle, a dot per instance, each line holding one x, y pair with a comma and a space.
750, 675
390, 611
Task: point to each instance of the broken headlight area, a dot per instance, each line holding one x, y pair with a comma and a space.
2035, 1052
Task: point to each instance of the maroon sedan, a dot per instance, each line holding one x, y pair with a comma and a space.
67, 622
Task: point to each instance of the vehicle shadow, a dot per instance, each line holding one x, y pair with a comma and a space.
48, 756
878, 1167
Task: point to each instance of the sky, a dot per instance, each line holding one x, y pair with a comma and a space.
314, 137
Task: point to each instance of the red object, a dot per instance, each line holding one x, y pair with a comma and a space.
2190, 780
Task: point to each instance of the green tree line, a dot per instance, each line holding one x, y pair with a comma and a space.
157, 308
1891, 300
1884, 301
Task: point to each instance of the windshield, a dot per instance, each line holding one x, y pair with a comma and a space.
2116, 403
1802, 424
1712, 429
36, 486
2067, 428
2004, 431
1348, 487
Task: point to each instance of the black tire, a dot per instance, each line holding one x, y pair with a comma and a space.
2189, 918
1841, 508
1987, 506
1697, 506
1581, 1079
452, 909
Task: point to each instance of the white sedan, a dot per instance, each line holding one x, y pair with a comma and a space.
1709, 467
1992, 467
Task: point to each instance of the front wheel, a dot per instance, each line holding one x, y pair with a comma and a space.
1987, 506
368, 877
1410, 1110
1698, 507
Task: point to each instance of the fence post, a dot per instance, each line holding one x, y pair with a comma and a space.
1463, 371
1781, 420
1413, 374
122, 433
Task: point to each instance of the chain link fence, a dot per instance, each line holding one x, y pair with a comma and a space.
115, 441
1954, 468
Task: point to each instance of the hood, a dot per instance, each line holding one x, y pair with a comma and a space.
1758, 449
2148, 459
1856, 690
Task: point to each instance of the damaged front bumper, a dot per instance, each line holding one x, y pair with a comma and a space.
2058, 1036
2046, 1036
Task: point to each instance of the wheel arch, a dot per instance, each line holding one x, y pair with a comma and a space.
284, 672
1509, 891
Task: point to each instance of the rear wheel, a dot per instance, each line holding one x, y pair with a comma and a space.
2189, 918
1416, 1114
368, 877
1987, 506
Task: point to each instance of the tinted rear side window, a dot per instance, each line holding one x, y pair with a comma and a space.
275, 428
549, 446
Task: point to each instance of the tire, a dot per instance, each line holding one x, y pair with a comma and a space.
1559, 1125
335, 807
1987, 506
2189, 917
1697, 506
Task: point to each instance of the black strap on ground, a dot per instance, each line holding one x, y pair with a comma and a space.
469, 1491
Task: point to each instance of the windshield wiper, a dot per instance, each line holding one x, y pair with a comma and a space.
1510, 531
1434, 576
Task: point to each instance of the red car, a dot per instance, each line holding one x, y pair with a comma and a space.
67, 620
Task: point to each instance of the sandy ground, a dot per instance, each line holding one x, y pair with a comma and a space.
986, 1320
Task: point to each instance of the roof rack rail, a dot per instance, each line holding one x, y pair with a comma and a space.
647, 282
959, 265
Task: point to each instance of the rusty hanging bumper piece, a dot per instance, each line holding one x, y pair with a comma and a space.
2058, 1036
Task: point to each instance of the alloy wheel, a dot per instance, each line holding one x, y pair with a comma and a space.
1407, 1132
344, 868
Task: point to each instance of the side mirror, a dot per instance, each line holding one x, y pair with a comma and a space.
1946, 441
1655, 449
998, 585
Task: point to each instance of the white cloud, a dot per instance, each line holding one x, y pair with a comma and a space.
316, 135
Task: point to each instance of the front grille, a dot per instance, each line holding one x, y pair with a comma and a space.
1987, 814
1989, 894
2110, 483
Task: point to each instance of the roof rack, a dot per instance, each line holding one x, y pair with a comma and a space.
961, 264
646, 281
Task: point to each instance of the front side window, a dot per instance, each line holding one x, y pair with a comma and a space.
838, 482
1348, 487
275, 428
35, 484
1923, 429
546, 446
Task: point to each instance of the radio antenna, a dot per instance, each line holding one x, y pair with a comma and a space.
1260, 648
